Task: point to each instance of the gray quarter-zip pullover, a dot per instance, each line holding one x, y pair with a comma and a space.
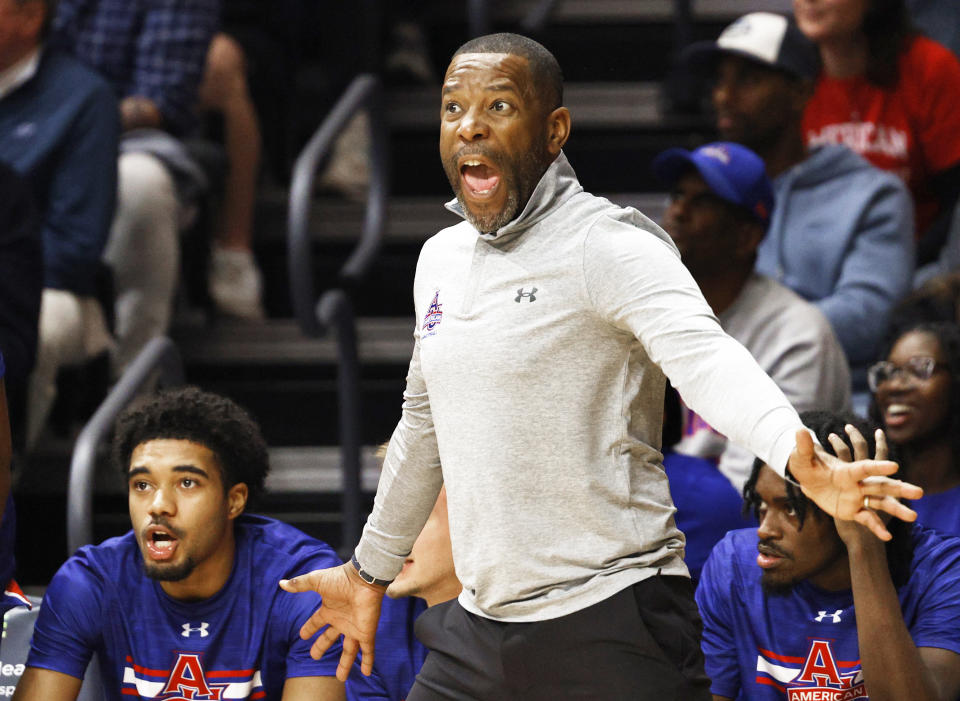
537, 381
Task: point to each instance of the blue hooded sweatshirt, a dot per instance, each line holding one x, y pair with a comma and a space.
841, 236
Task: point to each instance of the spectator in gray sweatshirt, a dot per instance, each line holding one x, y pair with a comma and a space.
837, 219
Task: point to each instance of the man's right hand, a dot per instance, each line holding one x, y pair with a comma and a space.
350, 607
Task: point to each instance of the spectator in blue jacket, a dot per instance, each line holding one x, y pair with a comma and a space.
838, 220
21, 273
153, 55
59, 129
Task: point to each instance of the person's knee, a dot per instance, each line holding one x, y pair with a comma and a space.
225, 74
145, 184
143, 240
59, 327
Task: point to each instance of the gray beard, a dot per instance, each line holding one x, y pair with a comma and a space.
493, 221
525, 173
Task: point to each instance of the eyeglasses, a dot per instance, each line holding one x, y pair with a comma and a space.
919, 367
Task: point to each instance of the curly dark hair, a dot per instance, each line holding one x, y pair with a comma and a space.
823, 423
947, 334
887, 28
202, 417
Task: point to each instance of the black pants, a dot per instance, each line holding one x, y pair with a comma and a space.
642, 643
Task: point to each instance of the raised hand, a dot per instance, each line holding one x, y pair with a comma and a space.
851, 531
840, 487
350, 607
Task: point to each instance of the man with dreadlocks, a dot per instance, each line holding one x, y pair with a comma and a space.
832, 612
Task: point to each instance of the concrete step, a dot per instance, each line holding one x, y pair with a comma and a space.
622, 11
336, 225
280, 342
294, 470
618, 126
409, 220
593, 106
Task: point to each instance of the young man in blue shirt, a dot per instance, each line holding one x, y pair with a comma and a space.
808, 607
186, 604
427, 578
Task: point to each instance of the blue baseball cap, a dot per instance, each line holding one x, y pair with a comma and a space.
732, 172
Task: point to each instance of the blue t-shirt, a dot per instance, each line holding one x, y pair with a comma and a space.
940, 511
242, 643
10, 593
762, 647
707, 506
399, 655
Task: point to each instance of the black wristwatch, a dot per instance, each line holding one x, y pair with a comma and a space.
366, 576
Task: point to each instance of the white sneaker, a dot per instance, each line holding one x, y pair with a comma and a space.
235, 283
348, 171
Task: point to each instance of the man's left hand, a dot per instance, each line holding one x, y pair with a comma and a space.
840, 488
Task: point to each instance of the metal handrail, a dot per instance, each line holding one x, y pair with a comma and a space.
159, 357
363, 93
334, 309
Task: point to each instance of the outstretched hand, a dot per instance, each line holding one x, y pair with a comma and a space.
852, 532
350, 607
840, 488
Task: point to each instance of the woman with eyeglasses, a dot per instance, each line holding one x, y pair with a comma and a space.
916, 398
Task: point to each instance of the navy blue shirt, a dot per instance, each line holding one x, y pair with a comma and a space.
708, 506
241, 643
21, 276
59, 130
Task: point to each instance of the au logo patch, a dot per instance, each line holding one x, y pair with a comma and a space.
433, 317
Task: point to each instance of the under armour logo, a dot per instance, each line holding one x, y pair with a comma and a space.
202, 629
835, 616
531, 295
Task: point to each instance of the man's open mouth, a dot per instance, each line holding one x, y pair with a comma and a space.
479, 176
160, 543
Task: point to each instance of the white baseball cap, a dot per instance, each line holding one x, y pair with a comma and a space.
763, 37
